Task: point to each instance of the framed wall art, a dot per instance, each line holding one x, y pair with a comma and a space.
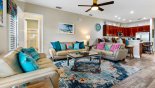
65, 28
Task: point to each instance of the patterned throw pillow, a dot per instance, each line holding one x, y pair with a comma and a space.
81, 45
31, 52
115, 47
63, 46
27, 63
69, 46
76, 46
100, 46
56, 45
107, 47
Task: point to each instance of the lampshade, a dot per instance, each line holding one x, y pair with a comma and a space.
88, 37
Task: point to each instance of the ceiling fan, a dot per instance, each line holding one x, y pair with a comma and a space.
96, 6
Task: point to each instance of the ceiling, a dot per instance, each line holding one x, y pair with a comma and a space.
121, 8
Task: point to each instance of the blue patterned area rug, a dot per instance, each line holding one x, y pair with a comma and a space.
111, 73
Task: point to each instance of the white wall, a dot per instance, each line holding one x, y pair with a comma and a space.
107, 22
3, 39
4, 34
20, 27
84, 25
20, 18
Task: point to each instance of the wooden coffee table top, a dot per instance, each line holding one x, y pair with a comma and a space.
78, 55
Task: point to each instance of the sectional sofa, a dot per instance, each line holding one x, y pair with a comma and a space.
57, 55
119, 54
12, 75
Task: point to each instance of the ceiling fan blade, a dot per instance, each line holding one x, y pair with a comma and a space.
88, 10
85, 5
100, 9
106, 3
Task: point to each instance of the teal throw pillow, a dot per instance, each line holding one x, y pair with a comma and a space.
76, 46
63, 46
56, 45
107, 48
127, 42
27, 63
81, 45
31, 52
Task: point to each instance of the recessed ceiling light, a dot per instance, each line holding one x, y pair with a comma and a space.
132, 12
119, 18
116, 16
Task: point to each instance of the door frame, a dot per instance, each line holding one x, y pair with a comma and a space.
39, 18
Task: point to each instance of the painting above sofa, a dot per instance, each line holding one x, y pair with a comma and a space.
65, 28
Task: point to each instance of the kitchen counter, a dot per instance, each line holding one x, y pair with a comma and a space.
137, 44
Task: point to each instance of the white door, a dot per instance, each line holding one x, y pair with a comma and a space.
32, 34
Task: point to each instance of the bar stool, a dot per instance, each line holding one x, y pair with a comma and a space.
130, 49
148, 46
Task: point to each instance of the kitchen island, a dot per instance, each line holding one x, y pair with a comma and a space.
137, 48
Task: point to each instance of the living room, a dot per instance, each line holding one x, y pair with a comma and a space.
76, 47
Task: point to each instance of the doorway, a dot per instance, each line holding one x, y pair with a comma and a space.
33, 31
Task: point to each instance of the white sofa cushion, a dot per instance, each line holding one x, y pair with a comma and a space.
11, 73
5, 69
107, 53
46, 63
12, 60
62, 53
10, 64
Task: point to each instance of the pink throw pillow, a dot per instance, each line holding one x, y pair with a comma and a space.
69, 46
100, 46
115, 47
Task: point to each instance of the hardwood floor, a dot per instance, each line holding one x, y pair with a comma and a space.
142, 79
145, 61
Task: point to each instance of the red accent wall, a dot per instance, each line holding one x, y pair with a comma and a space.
109, 30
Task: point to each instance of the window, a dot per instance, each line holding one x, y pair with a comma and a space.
12, 32
12, 24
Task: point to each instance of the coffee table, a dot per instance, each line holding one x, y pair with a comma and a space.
78, 56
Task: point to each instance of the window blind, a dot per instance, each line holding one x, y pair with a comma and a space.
12, 32
12, 24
